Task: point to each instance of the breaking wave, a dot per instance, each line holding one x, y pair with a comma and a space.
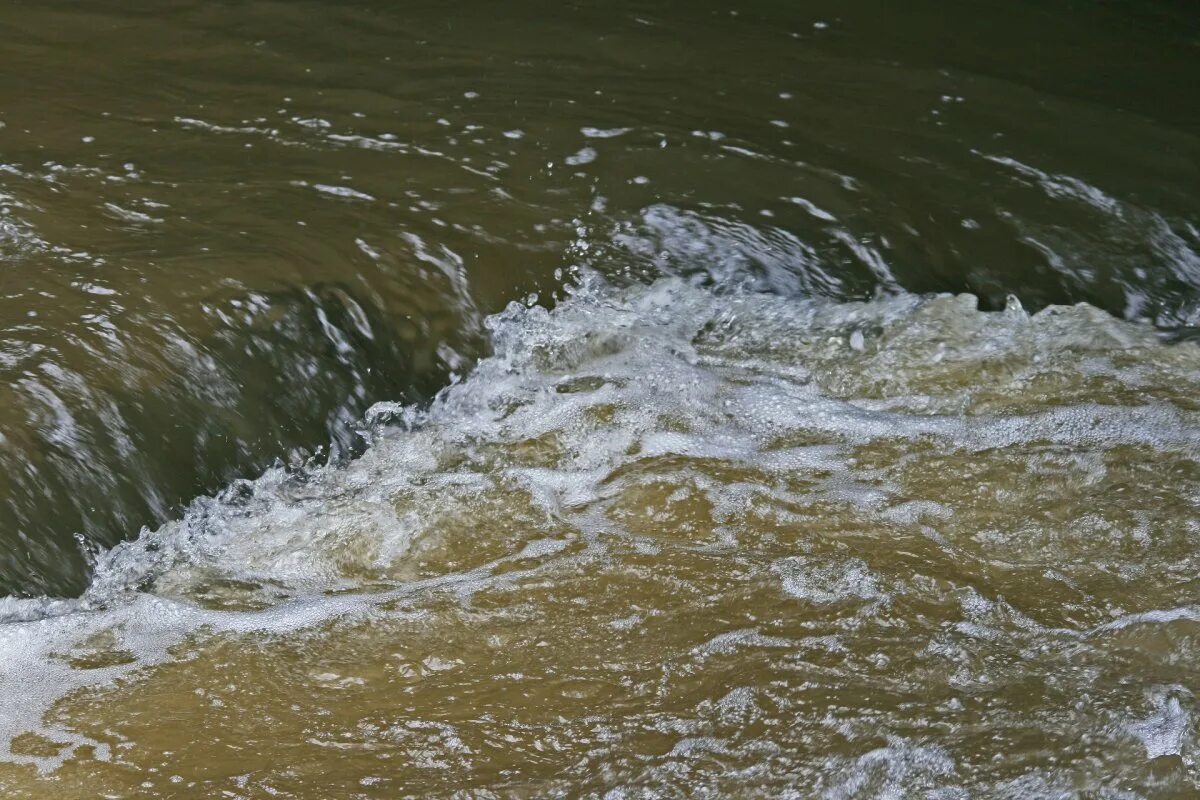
674, 538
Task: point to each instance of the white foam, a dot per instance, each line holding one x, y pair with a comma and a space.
342, 191
585, 155
613, 389
604, 133
808, 579
1164, 731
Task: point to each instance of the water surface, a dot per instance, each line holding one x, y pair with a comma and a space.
638, 400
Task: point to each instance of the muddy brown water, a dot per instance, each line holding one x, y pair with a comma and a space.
624, 400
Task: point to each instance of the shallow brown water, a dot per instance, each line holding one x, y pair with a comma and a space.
793, 471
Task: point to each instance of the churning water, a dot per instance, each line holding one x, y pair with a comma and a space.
663, 401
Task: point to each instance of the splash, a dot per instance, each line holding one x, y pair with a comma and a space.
669, 536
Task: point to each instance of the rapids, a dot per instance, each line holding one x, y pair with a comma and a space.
617, 400
671, 539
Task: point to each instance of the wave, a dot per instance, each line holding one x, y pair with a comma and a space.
812, 489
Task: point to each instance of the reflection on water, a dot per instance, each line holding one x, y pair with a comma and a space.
727, 502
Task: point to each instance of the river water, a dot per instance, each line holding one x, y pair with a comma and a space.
627, 400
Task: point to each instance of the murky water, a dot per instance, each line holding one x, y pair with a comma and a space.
627, 401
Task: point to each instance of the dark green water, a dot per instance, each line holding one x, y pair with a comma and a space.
227, 230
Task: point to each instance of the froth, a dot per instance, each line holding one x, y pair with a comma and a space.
664, 413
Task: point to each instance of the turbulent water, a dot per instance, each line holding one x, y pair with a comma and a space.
672, 541
673, 400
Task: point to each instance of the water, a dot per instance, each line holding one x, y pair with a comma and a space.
648, 400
